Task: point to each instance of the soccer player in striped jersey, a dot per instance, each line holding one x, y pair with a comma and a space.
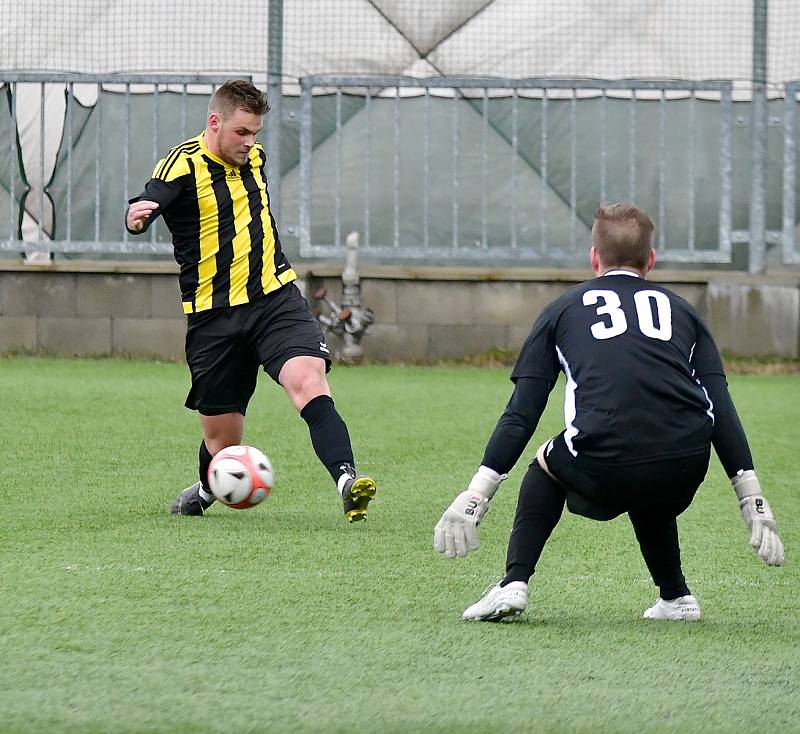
243, 308
645, 399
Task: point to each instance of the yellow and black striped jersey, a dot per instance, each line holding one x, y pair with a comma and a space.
223, 233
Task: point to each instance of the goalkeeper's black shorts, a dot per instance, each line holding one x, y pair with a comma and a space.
226, 346
603, 490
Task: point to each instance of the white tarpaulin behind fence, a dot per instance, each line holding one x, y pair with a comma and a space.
603, 39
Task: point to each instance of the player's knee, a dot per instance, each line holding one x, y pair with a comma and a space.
306, 385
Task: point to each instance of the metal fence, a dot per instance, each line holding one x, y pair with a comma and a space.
546, 149
454, 169
70, 195
505, 167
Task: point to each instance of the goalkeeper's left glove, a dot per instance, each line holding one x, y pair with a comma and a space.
456, 533
758, 517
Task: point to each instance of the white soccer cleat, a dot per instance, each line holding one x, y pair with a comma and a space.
499, 603
683, 608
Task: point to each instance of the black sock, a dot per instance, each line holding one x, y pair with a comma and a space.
329, 436
205, 460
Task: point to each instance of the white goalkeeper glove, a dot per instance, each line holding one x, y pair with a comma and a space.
759, 518
457, 532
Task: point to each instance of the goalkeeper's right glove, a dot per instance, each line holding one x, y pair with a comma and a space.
758, 517
456, 533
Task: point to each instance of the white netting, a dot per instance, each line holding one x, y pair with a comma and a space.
516, 38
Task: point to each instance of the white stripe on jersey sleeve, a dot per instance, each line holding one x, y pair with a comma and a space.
710, 409
569, 404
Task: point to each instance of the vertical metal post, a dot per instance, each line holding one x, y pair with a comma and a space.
98, 159
514, 156
306, 151
725, 169
789, 172
662, 172
39, 229
396, 169
13, 157
484, 167
126, 154
456, 147
367, 163
692, 203
573, 169
70, 145
632, 149
543, 173
337, 209
758, 250
274, 97
603, 150
156, 124
426, 171
184, 105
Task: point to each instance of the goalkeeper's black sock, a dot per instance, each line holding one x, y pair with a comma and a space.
329, 436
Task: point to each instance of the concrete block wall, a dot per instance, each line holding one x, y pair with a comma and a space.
422, 314
434, 314
76, 310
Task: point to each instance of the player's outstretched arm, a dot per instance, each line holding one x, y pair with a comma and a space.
733, 450
758, 517
456, 533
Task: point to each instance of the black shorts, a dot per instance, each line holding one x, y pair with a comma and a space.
602, 490
226, 346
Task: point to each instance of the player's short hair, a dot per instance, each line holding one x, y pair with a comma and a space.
237, 94
622, 236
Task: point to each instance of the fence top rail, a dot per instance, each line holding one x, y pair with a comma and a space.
115, 78
340, 80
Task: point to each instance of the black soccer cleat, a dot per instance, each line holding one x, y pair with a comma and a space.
189, 502
358, 492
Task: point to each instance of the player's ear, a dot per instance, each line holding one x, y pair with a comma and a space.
595, 260
651, 260
213, 122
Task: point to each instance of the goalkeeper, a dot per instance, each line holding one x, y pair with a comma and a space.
645, 399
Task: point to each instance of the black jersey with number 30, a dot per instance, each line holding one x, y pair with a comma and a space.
632, 353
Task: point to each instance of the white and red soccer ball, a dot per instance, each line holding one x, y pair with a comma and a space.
241, 477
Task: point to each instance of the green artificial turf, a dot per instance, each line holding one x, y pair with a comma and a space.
117, 617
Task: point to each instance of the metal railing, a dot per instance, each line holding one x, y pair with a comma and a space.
493, 169
474, 96
32, 226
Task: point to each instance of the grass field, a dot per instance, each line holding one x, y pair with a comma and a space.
117, 617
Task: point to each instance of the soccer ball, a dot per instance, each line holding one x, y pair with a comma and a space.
240, 477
